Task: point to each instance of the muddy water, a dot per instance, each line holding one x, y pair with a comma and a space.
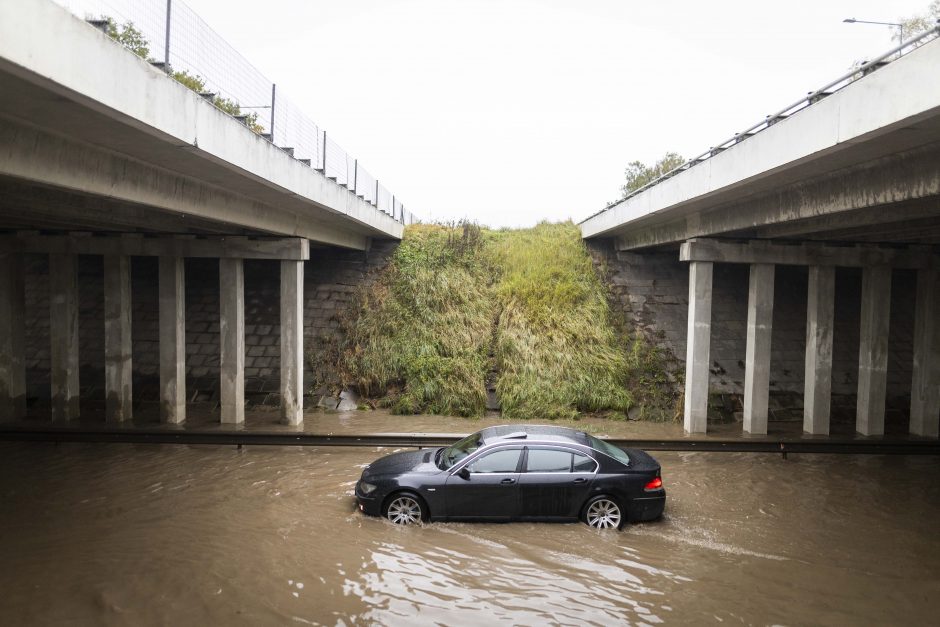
130, 535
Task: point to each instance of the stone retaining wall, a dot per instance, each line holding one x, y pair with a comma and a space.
331, 279
652, 291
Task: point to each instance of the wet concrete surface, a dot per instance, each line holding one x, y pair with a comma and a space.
179, 535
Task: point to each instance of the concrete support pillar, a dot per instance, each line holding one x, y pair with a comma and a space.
12, 332
292, 341
873, 350
698, 344
925, 388
117, 338
760, 312
172, 340
817, 385
63, 333
232, 339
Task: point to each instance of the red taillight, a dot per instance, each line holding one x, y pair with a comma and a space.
655, 484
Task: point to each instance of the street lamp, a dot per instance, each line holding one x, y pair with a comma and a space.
852, 20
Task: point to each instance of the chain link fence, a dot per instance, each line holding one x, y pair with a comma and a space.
170, 35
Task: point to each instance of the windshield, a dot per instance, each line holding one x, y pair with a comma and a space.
609, 449
456, 452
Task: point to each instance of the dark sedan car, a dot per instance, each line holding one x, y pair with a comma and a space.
517, 472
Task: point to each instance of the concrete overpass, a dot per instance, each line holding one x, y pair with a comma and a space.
103, 154
848, 177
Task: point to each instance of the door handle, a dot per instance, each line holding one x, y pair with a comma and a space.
507, 481
580, 480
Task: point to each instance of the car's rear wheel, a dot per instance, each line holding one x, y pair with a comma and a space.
603, 512
404, 508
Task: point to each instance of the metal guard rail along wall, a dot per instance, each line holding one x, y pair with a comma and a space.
104, 434
865, 68
179, 42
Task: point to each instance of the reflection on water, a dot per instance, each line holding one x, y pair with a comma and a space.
125, 534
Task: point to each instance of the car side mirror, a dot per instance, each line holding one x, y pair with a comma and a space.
464, 473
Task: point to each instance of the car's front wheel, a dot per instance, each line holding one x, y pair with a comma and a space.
603, 512
404, 509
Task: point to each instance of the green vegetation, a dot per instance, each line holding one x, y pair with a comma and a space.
129, 36
133, 39
420, 338
456, 302
921, 23
198, 85
639, 174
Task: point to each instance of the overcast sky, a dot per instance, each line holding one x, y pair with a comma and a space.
508, 112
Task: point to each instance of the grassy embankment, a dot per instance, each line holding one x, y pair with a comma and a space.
458, 302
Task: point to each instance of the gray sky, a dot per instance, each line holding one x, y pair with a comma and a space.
508, 112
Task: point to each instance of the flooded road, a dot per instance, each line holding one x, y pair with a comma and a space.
174, 535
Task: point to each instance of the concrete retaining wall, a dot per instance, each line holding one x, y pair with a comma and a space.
331, 279
652, 291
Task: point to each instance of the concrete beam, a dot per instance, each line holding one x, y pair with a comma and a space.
873, 350
292, 342
698, 346
144, 113
806, 254
760, 315
901, 178
817, 385
172, 340
925, 388
85, 169
135, 245
12, 333
844, 221
117, 338
63, 334
859, 124
232, 339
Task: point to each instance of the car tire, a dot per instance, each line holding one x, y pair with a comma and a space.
603, 512
404, 508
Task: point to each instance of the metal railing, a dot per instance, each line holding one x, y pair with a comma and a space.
182, 44
860, 71
155, 434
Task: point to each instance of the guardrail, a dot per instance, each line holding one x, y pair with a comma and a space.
863, 69
178, 41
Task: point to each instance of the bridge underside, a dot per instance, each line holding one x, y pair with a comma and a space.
850, 181
103, 155
891, 199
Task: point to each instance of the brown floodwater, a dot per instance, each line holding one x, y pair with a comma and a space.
176, 535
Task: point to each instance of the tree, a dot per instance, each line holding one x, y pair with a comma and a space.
917, 24
129, 36
639, 174
198, 85
134, 40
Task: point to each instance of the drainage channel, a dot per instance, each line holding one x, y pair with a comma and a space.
423, 440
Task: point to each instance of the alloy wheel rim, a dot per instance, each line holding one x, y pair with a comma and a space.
604, 514
404, 511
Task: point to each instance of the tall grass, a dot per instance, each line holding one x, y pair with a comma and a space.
452, 295
420, 339
557, 352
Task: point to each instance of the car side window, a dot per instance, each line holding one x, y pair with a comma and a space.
583, 463
548, 460
506, 460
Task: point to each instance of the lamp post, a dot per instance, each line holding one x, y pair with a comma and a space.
900, 27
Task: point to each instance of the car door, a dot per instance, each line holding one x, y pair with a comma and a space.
555, 483
490, 490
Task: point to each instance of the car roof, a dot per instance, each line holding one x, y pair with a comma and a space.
541, 433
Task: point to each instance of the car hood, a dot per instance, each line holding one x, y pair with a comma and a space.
398, 463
